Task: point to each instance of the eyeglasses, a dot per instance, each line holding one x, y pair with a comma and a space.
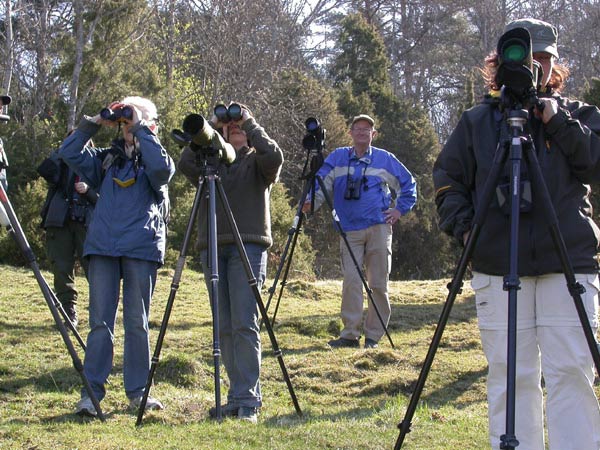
362, 130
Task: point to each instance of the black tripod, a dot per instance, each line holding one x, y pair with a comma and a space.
314, 163
208, 160
519, 146
9, 219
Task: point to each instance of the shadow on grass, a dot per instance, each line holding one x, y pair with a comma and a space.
410, 317
449, 392
404, 318
64, 379
292, 419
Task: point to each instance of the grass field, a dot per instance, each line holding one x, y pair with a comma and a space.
351, 399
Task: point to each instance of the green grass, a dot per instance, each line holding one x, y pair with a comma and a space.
351, 399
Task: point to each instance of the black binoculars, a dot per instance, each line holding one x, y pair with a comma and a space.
226, 114
352, 190
118, 114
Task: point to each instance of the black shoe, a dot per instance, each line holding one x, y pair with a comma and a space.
343, 342
370, 343
227, 410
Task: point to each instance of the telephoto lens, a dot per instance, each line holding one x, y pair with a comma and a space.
312, 124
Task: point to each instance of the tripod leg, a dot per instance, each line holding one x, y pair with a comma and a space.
353, 257
454, 289
9, 219
214, 288
292, 239
173, 292
254, 286
575, 288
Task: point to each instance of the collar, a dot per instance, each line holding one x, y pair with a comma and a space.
366, 158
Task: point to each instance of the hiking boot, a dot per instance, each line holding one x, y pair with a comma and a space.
71, 314
248, 413
371, 343
152, 404
343, 342
85, 408
227, 410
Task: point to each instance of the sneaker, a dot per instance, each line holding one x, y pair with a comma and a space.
343, 342
152, 404
227, 410
371, 343
248, 413
85, 408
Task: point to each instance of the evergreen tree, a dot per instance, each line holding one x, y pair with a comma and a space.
360, 71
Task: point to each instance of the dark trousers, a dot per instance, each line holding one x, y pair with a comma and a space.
63, 245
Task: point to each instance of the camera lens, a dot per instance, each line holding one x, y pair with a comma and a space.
312, 124
514, 51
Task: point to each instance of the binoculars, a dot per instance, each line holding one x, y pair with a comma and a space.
226, 114
118, 114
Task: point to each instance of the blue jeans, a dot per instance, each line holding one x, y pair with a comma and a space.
139, 279
238, 320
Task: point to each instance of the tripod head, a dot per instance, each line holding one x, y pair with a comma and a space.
4, 101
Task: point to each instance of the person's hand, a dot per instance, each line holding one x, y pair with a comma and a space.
466, 236
306, 207
215, 122
549, 110
245, 115
392, 216
81, 187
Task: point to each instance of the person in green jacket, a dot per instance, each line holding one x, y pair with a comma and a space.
247, 183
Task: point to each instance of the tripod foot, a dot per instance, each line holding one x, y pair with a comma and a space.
507, 441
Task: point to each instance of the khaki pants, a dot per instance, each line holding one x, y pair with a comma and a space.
549, 340
373, 248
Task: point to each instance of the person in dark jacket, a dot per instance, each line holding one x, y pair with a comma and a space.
565, 135
247, 183
65, 217
125, 241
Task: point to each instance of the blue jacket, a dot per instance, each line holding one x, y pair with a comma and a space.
127, 221
368, 181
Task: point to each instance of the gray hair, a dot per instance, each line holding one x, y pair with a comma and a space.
146, 107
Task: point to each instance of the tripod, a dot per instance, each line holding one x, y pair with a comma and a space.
9, 219
315, 162
208, 160
517, 118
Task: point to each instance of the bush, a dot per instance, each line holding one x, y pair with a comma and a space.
282, 218
27, 203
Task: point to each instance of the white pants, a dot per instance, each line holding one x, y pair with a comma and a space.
549, 340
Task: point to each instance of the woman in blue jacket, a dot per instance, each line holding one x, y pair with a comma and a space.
126, 239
